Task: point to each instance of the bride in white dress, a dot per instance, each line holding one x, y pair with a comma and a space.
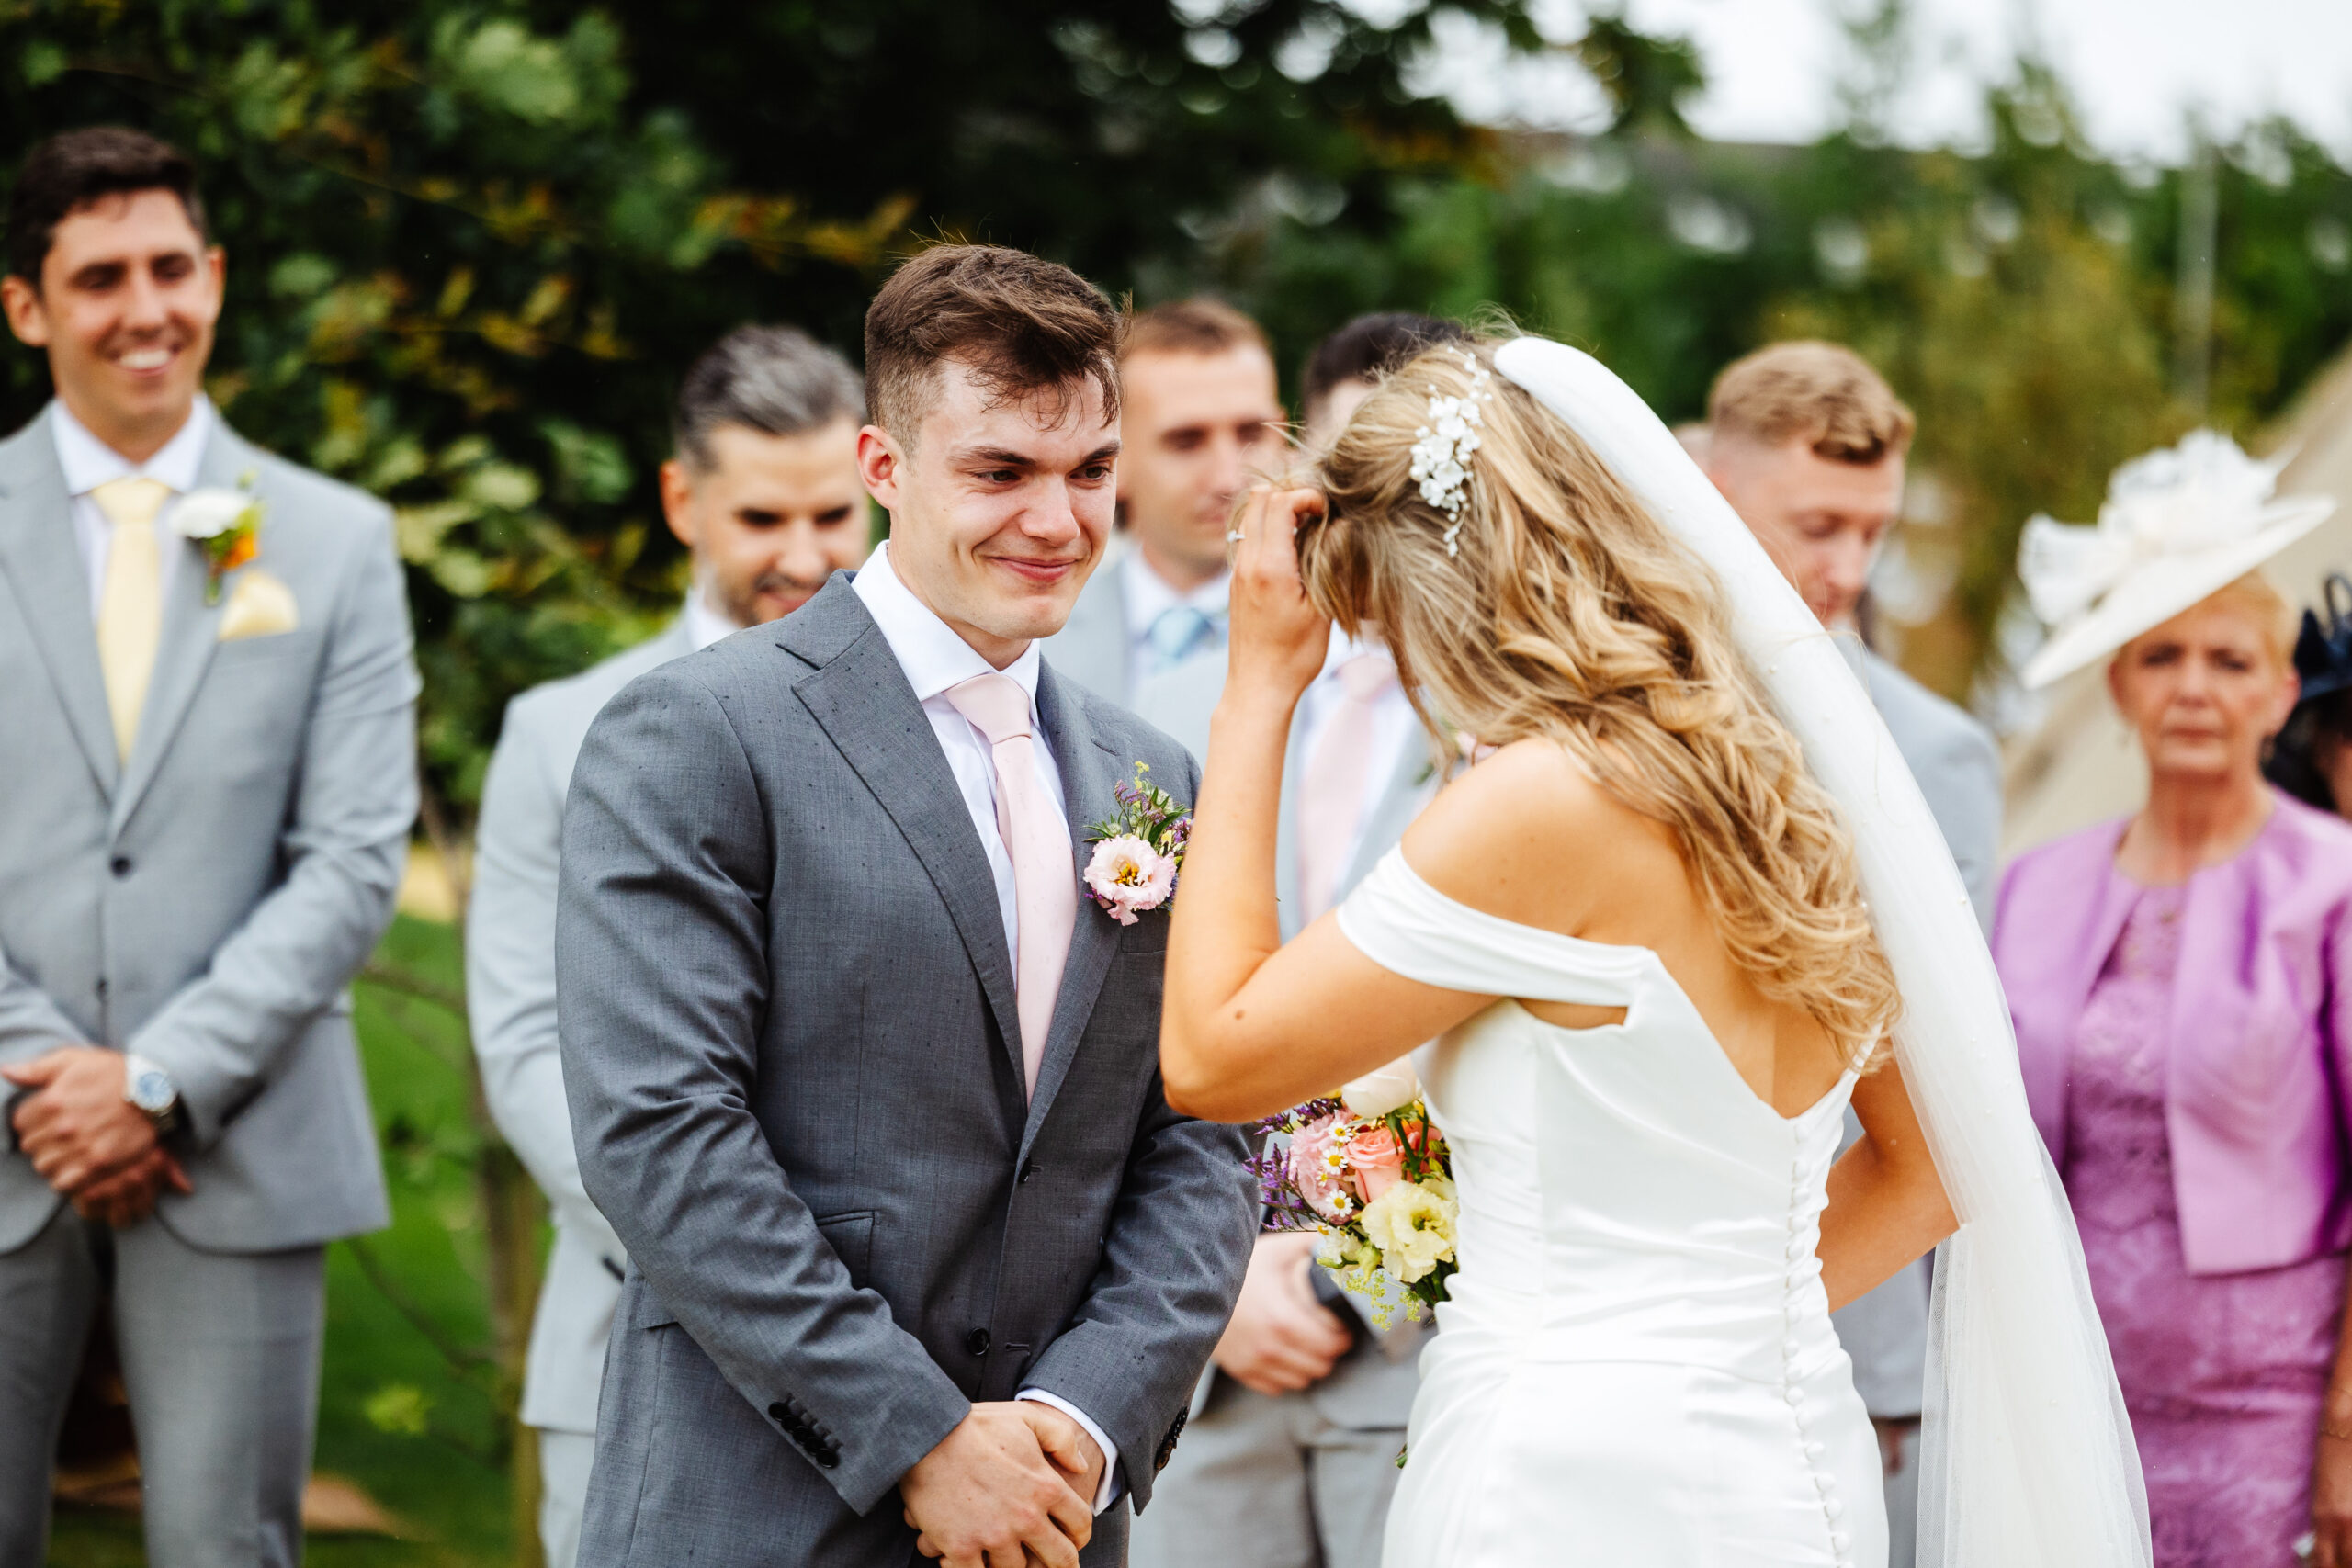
1637, 937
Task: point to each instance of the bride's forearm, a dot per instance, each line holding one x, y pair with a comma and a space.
1225, 922
1882, 1214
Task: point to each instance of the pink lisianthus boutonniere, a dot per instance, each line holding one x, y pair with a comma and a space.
1139, 852
225, 525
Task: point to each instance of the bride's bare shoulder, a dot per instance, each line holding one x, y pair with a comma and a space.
1530, 835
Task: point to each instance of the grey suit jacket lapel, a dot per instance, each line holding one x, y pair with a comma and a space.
191, 628
44, 567
860, 696
1090, 770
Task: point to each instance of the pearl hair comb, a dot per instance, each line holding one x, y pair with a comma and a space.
1443, 448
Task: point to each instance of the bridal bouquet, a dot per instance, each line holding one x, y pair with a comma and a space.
1371, 1172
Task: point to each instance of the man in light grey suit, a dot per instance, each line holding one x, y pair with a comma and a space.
921, 1259
765, 493
1200, 420
212, 778
1297, 1424
1807, 442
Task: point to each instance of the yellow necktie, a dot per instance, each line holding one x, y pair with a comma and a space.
131, 602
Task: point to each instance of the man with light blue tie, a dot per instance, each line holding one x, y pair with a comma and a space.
1201, 418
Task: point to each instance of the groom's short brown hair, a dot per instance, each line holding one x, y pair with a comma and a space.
1022, 326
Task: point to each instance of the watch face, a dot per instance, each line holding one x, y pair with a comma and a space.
151, 1090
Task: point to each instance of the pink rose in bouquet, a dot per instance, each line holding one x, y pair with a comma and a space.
1318, 1168
1375, 1161
1127, 875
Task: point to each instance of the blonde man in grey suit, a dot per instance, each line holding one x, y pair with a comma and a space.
765, 493
1808, 441
212, 776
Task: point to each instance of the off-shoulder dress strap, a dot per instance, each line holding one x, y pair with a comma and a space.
1405, 926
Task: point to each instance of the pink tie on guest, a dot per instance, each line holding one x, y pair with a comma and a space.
1045, 876
1332, 786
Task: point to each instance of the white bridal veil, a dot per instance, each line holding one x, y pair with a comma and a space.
2026, 1458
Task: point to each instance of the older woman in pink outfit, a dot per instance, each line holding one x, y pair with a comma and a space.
2181, 982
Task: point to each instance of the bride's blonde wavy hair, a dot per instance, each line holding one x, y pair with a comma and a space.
1569, 612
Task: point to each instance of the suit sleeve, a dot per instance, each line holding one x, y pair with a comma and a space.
1173, 1257
510, 964
1972, 783
661, 966
344, 845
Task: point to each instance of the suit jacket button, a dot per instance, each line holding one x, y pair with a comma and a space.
119, 865
977, 1342
776, 1412
1028, 1171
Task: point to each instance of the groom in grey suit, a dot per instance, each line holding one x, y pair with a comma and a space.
211, 779
1807, 442
921, 1259
765, 493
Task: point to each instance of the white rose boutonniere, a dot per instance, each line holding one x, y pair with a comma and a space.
226, 523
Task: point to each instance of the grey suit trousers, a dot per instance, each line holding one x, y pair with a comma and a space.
1268, 1480
221, 1355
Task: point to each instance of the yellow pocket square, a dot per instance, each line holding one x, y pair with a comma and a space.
259, 605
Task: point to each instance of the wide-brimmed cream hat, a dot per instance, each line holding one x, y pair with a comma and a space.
2178, 524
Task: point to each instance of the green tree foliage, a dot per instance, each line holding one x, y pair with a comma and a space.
472, 244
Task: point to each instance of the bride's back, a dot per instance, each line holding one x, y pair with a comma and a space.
1530, 837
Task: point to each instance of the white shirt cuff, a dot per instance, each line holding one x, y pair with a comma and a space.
1114, 1474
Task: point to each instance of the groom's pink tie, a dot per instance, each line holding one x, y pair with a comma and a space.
1332, 786
1045, 877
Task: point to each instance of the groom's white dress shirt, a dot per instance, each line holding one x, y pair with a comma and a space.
933, 659
88, 462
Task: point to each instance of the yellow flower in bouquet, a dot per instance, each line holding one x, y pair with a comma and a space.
1412, 1223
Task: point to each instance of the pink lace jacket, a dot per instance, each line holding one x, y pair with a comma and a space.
2259, 1084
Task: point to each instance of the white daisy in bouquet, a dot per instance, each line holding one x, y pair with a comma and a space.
1370, 1172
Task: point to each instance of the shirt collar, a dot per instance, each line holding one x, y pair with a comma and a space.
934, 657
1148, 595
89, 462
704, 626
1344, 648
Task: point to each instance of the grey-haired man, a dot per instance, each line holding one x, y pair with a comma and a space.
765, 492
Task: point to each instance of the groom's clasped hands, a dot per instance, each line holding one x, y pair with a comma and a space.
1012, 1484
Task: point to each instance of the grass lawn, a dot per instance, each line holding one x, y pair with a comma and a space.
395, 1415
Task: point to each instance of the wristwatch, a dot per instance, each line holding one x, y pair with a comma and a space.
150, 1087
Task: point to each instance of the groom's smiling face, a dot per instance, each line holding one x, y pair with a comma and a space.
999, 508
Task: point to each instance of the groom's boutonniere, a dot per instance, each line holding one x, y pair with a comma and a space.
226, 523
1137, 852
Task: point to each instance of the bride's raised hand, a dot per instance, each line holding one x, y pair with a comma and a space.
1276, 640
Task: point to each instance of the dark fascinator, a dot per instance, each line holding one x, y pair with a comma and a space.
2324, 663
2323, 653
